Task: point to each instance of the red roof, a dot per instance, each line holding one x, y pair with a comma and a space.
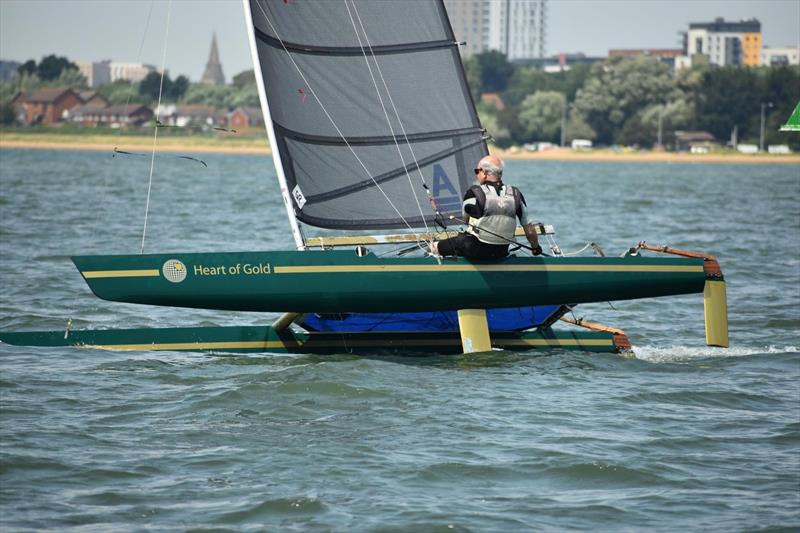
47, 95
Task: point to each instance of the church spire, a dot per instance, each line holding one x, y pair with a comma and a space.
213, 74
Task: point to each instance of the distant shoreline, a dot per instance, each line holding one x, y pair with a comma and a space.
256, 146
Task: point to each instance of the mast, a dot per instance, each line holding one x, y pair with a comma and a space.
276, 155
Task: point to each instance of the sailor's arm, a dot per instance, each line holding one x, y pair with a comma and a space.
529, 228
533, 238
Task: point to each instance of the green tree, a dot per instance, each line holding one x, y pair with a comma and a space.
7, 114
28, 82
488, 116
151, 86
244, 78
121, 92
178, 88
619, 89
71, 78
472, 70
674, 115
578, 128
728, 97
51, 66
246, 96
212, 95
526, 81
540, 114
28, 67
495, 71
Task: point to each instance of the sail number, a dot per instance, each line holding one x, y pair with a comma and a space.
298, 197
247, 269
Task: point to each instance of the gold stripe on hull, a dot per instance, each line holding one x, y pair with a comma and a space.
94, 274
361, 269
352, 343
329, 269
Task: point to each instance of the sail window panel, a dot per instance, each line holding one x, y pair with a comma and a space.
340, 194
333, 92
328, 23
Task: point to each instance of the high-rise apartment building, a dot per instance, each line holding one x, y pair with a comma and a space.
466, 18
97, 73
129, 71
725, 43
515, 27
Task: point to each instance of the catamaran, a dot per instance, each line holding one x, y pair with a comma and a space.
373, 130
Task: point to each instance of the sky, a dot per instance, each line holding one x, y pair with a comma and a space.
135, 30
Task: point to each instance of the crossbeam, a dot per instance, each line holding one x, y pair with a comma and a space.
401, 238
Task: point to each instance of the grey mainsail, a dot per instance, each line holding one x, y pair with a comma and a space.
369, 107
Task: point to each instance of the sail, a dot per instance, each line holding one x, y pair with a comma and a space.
793, 123
369, 109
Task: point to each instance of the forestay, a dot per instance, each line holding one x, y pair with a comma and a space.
370, 110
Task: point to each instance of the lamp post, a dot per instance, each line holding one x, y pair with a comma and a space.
764, 105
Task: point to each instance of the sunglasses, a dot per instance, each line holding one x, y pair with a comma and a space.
478, 171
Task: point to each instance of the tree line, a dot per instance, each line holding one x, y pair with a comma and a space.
622, 101
55, 71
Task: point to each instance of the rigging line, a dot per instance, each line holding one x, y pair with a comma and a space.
330, 118
138, 57
104, 184
155, 130
396, 113
383, 106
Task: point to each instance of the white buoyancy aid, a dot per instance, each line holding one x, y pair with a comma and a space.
499, 219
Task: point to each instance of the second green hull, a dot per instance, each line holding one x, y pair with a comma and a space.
264, 339
339, 281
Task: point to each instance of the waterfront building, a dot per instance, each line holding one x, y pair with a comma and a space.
517, 28
466, 18
723, 43
129, 71
243, 117
213, 74
115, 116
46, 106
8, 70
780, 56
666, 55
97, 73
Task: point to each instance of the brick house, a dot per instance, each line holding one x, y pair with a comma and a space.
46, 106
243, 117
113, 116
95, 99
192, 115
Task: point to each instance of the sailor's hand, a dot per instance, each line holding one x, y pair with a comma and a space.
536, 250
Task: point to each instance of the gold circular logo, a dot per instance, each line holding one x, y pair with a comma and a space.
174, 271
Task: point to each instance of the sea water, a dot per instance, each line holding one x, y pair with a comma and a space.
682, 437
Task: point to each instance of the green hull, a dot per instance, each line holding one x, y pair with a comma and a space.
264, 339
335, 281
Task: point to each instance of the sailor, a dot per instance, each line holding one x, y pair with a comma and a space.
494, 209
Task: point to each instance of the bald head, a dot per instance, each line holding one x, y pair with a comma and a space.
492, 167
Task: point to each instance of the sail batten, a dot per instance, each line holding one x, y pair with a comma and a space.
358, 102
302, 48
376, 140
392, 174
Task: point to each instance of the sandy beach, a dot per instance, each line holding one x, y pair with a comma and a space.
254, 145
